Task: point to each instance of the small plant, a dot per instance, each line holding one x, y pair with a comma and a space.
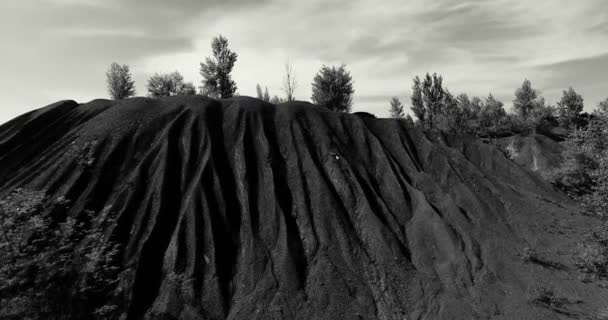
602, 314
544, 295
529, 255
548, 296
592, 255
504, 150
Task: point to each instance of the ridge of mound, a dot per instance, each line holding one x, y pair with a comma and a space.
239, 209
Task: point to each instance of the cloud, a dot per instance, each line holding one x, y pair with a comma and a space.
587, 75
479, 46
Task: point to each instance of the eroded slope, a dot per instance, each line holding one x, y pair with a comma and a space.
243, 210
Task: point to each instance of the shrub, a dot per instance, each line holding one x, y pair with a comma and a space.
597, 200
529, 254
167, 85
52, 265
592, 254
584, 170
602, 314
544, 295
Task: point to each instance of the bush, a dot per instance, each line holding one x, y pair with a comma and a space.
592, 254
52, 264
597, 200
584, 170
167, 85
544, 295
529, 255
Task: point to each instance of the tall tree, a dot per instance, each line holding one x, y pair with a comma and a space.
120, 82
396, 109
217, 81
428, 100
433, 97
492, 113
448, 118
266, 95
166, 85
417, 102
289, 82
332, 88
569, 107
465, 111
262, 95
525, 99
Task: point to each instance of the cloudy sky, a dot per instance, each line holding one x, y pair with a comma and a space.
60, 49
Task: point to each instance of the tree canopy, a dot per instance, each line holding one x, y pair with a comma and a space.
396, 109
217, 81
332, 88
171, 84
120, 82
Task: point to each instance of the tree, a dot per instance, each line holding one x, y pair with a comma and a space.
166, 85
603, 106
266, 95
417, 103
448, 118
492, 113
525, 99
466, 113
569, 107
216, 70
332, 88
289, 82
276, 100
433, 98
583, 173
396, 109
120, 82
262, 95
434, 106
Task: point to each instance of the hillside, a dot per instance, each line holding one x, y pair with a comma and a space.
239, 209
536, 152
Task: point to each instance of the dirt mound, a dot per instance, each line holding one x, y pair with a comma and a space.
239, 209
537, 152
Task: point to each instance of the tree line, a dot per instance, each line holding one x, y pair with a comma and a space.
332, 87
436, 108
432, 104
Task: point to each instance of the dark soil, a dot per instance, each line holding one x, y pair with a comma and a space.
239, 209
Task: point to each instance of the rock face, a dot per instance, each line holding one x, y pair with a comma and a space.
239, 209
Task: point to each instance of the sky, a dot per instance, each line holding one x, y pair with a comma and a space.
60, 49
